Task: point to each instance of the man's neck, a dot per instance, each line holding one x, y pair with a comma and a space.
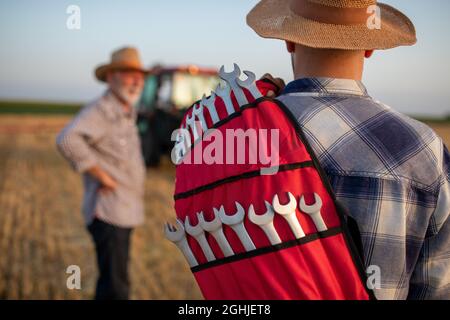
326, 73
328, 64
124, 104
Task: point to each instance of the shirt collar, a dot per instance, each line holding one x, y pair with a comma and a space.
326, 86
115, 108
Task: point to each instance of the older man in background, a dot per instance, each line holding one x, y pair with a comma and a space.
102, 144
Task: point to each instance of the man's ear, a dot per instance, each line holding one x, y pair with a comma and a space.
109, 77
368, 53
290, 46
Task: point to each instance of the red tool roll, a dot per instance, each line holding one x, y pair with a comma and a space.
252, 233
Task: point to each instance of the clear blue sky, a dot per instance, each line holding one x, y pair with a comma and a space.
41, 59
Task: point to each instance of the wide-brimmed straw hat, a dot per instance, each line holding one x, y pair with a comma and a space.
123, 59
333, 24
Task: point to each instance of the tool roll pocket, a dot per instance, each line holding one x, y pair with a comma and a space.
259, 230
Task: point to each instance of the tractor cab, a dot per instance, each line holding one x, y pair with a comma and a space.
167, 94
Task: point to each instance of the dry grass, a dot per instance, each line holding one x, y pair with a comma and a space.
42, 231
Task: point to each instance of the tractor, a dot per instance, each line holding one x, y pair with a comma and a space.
167, 94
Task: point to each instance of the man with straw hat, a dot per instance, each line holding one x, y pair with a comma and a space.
390, 171
102, 143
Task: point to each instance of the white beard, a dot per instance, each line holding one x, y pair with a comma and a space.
130, 98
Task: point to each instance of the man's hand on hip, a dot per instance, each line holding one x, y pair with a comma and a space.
107, 183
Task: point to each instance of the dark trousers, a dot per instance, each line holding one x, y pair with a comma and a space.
112, 246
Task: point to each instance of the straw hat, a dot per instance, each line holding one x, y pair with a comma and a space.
123, 59
334, 24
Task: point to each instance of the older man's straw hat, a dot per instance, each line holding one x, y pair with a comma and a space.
123, 59
334, 24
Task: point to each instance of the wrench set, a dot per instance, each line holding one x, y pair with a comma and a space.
232, 83
177, 234
250, 236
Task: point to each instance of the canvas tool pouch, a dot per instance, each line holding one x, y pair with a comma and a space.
288, 253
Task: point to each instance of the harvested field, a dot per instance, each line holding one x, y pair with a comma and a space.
42, 231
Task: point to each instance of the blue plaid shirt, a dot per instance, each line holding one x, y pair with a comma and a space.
392, 173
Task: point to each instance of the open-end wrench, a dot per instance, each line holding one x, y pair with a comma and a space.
178, 236
190, 122
265, 222
209, 103
199, 235
197, 110
314, 212
224, 93
250, 84
230, 78
214, 227
287, 211
236, 222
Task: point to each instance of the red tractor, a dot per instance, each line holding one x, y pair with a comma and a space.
168, 92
